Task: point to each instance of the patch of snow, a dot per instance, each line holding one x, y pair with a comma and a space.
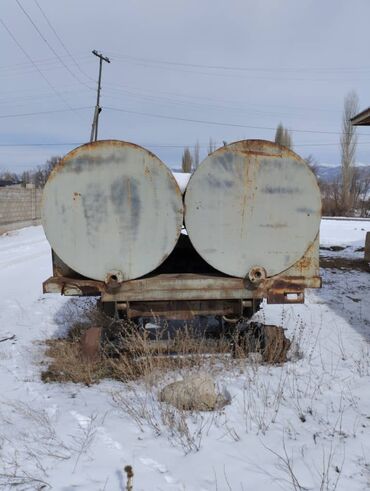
307, 420
182, 179
350, 234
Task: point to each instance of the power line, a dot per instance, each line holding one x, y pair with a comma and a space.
243, 68
176, 118
44, 62
240, 109
150, 94
40, 144
135, 92
162, 116
150, 97
190, 68
49, 45
219, 123
22, 100
61, 42
150, 145
35, 65
21, 115
81, 143
37, 93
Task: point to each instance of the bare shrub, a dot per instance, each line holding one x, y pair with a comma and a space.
84, 438
21, 480
262, 398
286, 465
362, 362
78, 314
41, 429
30, 445
146, 359
328, 474
182, 428
25, 456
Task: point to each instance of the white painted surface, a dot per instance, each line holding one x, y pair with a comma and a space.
252, 203
112, 208
44, 427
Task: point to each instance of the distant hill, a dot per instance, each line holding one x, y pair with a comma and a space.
326, 173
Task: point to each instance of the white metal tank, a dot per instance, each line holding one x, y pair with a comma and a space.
112, 211
252, 208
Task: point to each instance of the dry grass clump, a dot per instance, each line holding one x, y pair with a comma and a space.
68, 365
129, 351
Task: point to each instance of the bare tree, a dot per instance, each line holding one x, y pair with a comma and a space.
313, 164
187, 160
360, 190
331, 197
37, 176
40, 176
211, 146
279, 133
26, 178
196, 154
348, 143
10, 177
283, 136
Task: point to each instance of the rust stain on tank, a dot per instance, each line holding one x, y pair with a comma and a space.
263, 148
87, 147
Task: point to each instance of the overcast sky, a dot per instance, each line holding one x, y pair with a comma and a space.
180, 71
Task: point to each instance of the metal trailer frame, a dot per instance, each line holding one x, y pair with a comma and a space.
165, 295
185, 284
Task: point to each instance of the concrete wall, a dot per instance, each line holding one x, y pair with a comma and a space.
19, 207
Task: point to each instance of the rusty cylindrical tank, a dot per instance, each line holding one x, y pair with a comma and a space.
112, 210
252, 209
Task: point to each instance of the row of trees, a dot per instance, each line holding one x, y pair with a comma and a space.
37, 177
349, 192
346, 194
190, 160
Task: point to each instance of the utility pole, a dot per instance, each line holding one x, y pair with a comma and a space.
94, 128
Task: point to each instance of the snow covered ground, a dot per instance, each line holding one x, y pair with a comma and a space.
344, 233
182, 179
304, 425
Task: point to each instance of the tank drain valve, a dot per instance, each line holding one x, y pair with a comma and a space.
256, 275
113, 279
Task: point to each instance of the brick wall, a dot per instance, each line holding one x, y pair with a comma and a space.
19, 207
